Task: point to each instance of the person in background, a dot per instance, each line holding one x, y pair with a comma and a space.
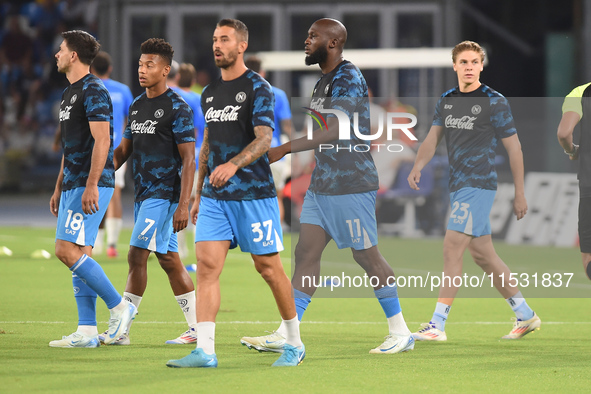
577, 110
121, 97
282, 132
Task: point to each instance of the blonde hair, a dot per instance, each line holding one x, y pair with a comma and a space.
467, 46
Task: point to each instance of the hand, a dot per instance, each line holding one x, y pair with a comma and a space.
275, 154
222, 173
195, 209
90, 200
520, 206
180, 219
54, 202
414, 178
576, 154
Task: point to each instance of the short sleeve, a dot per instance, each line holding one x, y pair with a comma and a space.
347, 89
127, 132
501, 117
573, 102
182, 124
437, 119
282, 110
263, 104
97, 103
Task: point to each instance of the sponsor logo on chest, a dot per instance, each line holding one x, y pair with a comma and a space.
464, 123
146, 127
65, 113
227, 114
317, 104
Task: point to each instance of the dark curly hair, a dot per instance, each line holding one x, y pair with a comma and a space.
157, 46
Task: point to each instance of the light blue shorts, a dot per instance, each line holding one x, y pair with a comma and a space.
350, 219
153, 226
470, 211
254, 225
73, 225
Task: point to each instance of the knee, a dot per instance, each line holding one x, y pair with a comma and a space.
65, 253
450, 252
268, 273
60, 252
207, 268
478, 257
305, 256
371, 265
135, 260
167, 266
485, 260
166, 262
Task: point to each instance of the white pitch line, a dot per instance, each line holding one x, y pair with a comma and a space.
305, 322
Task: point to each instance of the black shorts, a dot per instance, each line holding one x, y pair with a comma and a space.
585, 224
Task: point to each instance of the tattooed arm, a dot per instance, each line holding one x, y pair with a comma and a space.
254, 150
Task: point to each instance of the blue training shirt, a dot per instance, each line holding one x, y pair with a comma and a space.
155, 127
232, 110
121, 98
194, 101
282, 112
86, 100
473, 124
344, 169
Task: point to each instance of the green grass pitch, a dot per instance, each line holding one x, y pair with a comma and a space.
36, 306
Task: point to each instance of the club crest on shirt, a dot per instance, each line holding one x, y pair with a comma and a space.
240, 97
159, 113
73, 99
476, 109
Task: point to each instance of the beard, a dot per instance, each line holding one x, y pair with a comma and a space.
317, 57
227, 61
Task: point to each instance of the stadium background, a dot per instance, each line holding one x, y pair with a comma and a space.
535, 49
